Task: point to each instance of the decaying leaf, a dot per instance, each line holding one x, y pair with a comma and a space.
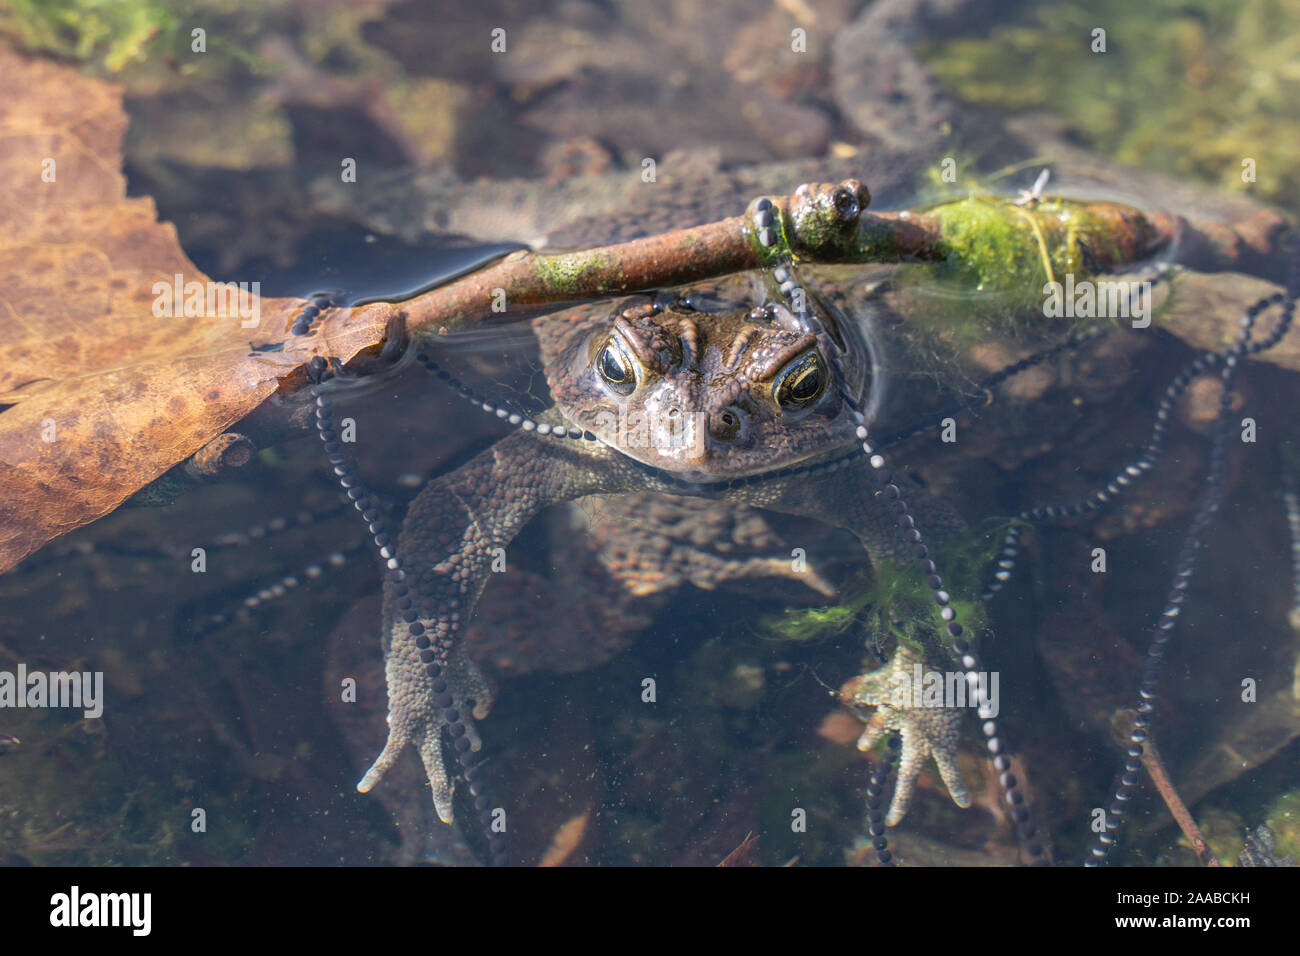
105, 394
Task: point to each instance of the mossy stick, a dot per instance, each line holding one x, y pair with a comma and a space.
825, 223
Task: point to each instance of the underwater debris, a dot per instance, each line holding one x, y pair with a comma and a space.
1259, 849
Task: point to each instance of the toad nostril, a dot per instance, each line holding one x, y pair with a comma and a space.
725, 426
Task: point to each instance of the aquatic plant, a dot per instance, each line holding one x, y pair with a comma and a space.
1218, 82
112, 32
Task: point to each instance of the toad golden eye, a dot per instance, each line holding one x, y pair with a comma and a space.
801, 383
616, 369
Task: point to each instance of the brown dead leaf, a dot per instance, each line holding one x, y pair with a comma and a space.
105, 396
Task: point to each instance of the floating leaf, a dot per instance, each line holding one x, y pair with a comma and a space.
104, 394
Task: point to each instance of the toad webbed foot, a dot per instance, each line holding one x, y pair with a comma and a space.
455, 534
420, 707
926, 730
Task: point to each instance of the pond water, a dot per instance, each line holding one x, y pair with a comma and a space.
255, 707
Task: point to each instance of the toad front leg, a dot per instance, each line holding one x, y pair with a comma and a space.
454, 531
850, 498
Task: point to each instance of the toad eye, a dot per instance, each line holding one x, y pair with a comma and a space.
801, 383
616, 369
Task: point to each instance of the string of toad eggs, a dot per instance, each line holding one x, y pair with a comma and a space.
764, 222
764, 217
369, 506
1129, 475
1291, 501
1148, 690
1125, 479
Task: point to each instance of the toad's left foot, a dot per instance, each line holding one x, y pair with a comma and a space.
421, 707
926, 731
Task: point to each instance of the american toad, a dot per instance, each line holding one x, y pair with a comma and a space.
756, 407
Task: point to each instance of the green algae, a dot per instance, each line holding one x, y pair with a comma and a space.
991, 249
111, 33
876, 242
1225, 833
1012, 251
566, 274
779, 251
804, 625
1283, 818
1217, 78
895, 600
993, 284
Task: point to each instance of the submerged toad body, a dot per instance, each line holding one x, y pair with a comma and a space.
750, 407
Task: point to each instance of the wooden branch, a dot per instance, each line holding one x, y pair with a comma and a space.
1156, 769
821, 223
